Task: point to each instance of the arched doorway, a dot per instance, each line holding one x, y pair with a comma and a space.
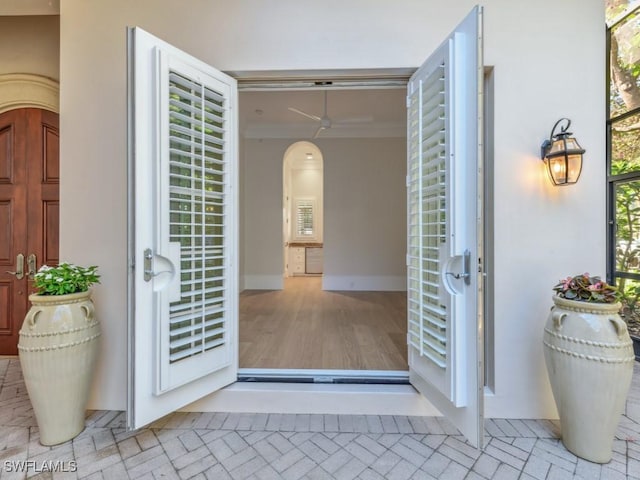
302, 209
29, 194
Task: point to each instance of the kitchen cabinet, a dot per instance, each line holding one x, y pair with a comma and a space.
313, 260
297, 260
305, 259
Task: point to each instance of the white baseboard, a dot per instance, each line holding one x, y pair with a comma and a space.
371, 283
307, 398
263, 282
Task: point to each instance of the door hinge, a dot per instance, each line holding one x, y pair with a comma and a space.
408, 101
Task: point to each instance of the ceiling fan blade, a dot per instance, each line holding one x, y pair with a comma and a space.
318, 130
305, 114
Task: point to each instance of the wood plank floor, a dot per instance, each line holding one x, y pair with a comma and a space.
305, 327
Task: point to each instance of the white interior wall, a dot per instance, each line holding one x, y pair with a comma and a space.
366, 214
364, 183
539, 230
241, 211
263, 247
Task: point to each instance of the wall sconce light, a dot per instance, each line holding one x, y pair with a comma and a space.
562, 155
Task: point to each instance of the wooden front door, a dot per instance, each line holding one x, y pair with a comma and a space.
29, 206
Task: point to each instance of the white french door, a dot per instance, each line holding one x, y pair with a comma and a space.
445, 228
183, 229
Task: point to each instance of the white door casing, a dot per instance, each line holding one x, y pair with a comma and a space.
444, 221
183, 321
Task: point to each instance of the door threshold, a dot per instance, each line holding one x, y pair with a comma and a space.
370, 377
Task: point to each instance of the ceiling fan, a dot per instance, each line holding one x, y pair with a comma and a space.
326, 122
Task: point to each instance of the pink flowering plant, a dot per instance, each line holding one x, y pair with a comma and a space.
64, 279
585, 288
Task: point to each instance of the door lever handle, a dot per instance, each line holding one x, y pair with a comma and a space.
149, 271
19, 273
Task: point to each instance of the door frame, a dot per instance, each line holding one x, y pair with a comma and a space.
280, 390
339, 79
291, 80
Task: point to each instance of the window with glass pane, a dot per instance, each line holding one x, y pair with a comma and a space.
624, 56
623, 154
625, 145
304, 218
627, 235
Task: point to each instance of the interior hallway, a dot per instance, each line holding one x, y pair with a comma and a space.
305, 327
223, 446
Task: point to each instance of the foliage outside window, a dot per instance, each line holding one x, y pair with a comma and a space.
304, 219
623, 154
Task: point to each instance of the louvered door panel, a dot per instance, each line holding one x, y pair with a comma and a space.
444, 227
427, 202
195, 336
184, 315
196, 195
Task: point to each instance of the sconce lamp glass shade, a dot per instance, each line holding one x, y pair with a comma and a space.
562, 155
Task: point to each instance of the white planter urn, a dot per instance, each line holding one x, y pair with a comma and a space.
58, 348
589, 357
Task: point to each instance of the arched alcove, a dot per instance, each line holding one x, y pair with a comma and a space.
302, 205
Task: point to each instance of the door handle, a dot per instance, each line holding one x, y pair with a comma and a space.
19, 273
169, 264
149, 270
466, 269
148, 265
31, 266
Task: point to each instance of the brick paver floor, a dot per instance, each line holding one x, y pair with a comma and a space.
221, 446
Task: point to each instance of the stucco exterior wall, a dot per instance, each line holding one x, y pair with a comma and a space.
545, 68
30, 44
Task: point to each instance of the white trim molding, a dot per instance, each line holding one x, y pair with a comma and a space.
26, 90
